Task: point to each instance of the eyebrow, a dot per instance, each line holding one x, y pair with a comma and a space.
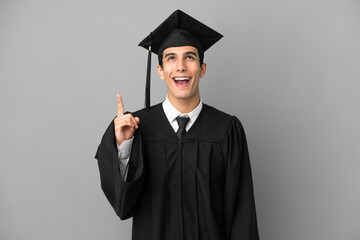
191, 53
187, 53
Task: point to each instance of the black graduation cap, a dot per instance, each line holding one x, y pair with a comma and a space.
179, 29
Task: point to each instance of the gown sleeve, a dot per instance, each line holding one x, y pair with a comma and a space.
121, 194
239, 209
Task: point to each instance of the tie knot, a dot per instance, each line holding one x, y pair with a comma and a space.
182, 121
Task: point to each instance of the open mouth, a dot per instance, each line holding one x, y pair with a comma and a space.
182, 81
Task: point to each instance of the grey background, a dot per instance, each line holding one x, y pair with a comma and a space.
288, 69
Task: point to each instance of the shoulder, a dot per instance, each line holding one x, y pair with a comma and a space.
215, 114
214, 125
151, 115
148, 112
218, 117
153, 123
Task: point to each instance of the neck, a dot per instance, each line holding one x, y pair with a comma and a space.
185, 105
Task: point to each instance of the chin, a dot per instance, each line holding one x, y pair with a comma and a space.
183, 97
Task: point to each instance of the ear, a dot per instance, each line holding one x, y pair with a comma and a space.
160, 72
203, 69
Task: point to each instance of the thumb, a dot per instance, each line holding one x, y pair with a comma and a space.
137, 119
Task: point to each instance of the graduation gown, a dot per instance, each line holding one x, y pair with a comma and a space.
199, 188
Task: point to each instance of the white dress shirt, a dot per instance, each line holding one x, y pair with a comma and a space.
171, 113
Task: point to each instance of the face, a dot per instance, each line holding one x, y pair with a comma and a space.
182, 71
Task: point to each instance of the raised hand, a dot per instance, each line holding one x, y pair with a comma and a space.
125, 124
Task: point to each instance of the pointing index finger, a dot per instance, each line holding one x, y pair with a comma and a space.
120, 106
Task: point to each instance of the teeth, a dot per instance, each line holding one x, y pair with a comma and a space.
181, 79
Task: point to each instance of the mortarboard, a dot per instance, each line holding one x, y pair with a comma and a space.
179, 29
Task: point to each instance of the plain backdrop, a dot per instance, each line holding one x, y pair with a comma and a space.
288, 69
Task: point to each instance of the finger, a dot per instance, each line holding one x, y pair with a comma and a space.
120, 106
133, 120
137, 120
127, 123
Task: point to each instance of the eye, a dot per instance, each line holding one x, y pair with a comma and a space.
190, 57
171, 58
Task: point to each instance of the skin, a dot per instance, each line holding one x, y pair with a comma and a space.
182, 62
125, 124
178, 62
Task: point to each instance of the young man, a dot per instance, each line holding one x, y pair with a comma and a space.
180, 168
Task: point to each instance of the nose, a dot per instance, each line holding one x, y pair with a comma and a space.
181, 66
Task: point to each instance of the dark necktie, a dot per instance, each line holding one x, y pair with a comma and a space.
182, 121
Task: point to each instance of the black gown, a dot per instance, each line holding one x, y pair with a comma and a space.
199, 188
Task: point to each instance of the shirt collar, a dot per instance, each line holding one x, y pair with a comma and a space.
171, 112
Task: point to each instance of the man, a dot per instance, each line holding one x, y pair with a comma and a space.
180, 168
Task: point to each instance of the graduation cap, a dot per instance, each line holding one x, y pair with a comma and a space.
179, 29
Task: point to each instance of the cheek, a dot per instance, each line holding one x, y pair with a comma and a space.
163, 74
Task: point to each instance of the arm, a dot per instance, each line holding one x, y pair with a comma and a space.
239, 209
124, 151
121, 194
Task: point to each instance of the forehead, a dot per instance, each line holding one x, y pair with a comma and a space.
180, 50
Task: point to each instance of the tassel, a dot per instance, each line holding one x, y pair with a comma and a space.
148, 76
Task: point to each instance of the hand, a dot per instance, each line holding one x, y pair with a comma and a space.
125, 125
